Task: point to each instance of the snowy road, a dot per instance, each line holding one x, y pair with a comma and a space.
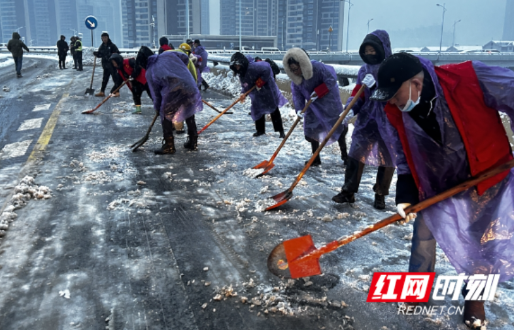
147, 242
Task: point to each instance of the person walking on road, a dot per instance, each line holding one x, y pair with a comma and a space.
105, 52
175, 94
447, 129
317, 81
163, 42
16, 46
127, 69
62, 51
265, 98
371, 138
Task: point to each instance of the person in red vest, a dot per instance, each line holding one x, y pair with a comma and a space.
447, 129
127, 69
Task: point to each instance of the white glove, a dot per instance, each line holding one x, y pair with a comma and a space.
400, 208
314, 96
257, 88
300, 114
369, 80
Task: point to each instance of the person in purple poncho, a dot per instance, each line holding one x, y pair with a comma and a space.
312, 79
265, 98
175, 94
371, 138
204, 55
447, 129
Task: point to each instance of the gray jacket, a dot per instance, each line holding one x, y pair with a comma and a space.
16, 46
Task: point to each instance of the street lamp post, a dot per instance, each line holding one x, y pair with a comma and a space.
152, 25
368, 24
330, 30
187, 18
442, 27
350, 4
18, 29
453, 42
240, 27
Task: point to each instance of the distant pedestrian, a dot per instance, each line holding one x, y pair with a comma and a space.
78, 53
72, 51
163, 42
16, 46
62, 51
105, 52
199, 50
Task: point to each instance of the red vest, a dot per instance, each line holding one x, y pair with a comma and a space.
128, 70
480, 127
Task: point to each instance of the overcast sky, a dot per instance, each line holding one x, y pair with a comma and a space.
481, 20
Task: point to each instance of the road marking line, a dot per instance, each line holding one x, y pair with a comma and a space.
41, 107
46, 135
31, 124
15, 149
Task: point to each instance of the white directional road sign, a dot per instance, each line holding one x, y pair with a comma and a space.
91, 22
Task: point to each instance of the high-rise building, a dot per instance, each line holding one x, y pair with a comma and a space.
508, 24
108, 14
12, 17
67, 23
310, 24
204, 17
42, 21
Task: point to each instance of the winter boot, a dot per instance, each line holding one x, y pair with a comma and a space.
117, 94
100, 94
379, 203
138, 110
316, 162
282, 135
344, 197
205, 85
168, 146
258, 133
191, 143
474, 312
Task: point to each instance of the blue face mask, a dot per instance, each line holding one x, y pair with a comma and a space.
410, 104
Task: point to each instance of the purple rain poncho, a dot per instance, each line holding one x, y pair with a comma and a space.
324, 112
475, 232
200, 51
371, 138
173, 88
266, 100
198, 65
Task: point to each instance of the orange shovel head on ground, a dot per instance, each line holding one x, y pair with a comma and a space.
266, 165
283, 260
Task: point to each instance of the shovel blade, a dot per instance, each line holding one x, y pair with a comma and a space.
87, 112
284, 259
281, 199
261, 165
90, 91
266, 170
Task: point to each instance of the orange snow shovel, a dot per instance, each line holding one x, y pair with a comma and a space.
268, 165
214, 108
298, 257
105, 100
224, 111
285, 196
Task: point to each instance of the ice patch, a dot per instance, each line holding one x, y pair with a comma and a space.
42, 107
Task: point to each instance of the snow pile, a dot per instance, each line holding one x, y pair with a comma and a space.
25, 191
88, 58
225, 81
109, 153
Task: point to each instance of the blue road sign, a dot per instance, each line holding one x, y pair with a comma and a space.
91, 22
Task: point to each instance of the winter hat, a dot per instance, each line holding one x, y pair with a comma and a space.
374, 41
393, 72
185, 47
105, 34
189, 41
300, 56
163, 41
63, 37
118, 59
142, 56
274, 66
239, 59
197, 41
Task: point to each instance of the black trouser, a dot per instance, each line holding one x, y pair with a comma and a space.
341, 142
78, 55
109, 72
276, 118
205, 84
168, 128
74, 55
62, 61
137, 90
353, 175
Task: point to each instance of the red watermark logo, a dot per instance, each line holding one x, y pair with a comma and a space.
416, 287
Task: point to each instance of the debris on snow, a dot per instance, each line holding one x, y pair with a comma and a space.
343, 215
65, 294
326, 218
251, 173
141, 183
205, 269
204, 306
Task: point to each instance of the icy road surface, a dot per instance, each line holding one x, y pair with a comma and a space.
138, 241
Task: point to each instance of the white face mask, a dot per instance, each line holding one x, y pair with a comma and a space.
410, 104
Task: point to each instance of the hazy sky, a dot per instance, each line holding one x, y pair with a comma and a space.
481, 20
214, 16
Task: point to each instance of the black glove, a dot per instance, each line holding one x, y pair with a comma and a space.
96, 54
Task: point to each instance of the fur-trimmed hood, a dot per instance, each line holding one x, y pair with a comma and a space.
300, 56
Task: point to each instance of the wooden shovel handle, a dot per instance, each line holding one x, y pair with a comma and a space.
229, 107
289, 133
336, 126
110, 95
414, 208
